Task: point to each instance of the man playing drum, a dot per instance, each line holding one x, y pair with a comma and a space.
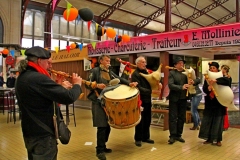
102, 75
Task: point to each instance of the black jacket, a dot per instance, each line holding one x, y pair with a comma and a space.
36, 92
143, 85
95, 76
176, 80
11, 82
1, 81
213, 103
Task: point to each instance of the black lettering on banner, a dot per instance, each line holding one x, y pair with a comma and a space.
204, 43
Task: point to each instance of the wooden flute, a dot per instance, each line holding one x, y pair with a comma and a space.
92, 84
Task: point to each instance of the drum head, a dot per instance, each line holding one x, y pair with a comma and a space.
121, 92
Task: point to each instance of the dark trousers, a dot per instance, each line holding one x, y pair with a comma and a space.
177, 115
39, 148
102, 138
142, 130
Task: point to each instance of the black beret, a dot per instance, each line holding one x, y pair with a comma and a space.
38, 52
213, 64
177, 59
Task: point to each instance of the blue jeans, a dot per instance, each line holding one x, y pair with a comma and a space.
194, 106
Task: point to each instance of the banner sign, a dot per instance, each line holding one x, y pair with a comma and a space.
72, 55
216, 36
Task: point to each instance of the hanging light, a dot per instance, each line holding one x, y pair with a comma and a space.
174, 2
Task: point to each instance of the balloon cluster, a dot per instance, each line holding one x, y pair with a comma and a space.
87, 15
71, 14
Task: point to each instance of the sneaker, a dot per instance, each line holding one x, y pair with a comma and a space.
108, 150
138, 143
171, 140
101, 156
180, 139
149, 141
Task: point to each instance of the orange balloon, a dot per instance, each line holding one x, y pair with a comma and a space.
73, 13
111, 33
73, 45
125, 38
5, 51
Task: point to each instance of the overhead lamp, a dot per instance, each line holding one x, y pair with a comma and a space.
174, 2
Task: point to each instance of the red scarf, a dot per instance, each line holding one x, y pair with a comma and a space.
211, 95
38, 68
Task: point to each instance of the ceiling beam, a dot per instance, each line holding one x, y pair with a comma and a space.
156, 14
199, 10
223, 19
123, 10
153, 5
199, 13
106, 14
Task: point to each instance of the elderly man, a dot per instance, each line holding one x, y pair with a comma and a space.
36, 93
142, 130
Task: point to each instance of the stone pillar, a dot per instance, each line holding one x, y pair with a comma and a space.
10, 14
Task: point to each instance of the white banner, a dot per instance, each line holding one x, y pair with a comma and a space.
122, 66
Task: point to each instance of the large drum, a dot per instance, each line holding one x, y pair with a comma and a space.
121, 106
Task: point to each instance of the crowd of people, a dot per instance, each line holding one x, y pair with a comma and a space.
35, 80
10, 83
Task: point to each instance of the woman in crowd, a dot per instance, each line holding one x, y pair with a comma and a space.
212, 123
196, 98
225, 70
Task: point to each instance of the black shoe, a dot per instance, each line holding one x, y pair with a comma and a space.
149, 141
138, 143
180, 139
107, 150
101, 156
171, 140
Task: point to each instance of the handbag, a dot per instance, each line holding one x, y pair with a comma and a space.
61, 130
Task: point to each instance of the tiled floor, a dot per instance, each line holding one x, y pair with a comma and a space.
122, 143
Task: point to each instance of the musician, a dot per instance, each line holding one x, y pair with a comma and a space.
178, 85
212, 123
102, 75
36, 93
225, 70
142, 130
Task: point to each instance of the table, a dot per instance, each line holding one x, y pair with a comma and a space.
9, 92
159, 104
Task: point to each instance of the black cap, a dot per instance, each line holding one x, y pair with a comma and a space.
213, 64
177, 59
38, 52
